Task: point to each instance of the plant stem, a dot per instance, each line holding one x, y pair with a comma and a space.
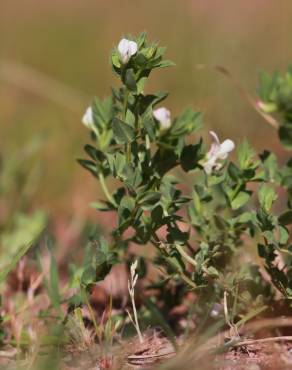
136, 317
128, 152
186, 256
125, 107
184, 277
125, 103
105, 189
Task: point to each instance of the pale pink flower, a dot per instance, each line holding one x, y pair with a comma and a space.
218, 151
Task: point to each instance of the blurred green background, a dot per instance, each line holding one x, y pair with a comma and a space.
54, 57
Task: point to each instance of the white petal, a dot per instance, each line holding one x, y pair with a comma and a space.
215, 137
215, 146
123, 46
133, 47
87, 118
162, 115
209, 165
126, 49
226, 147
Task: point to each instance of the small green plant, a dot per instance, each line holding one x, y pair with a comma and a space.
19, 228
225, 206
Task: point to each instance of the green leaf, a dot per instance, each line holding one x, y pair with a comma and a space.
125, 210
283, 235
267, 197
234, 172
5, 270
187, 123
115, 60
176, 236
130, 81
190, 156
16, 242
245, 217
132, 176
149, 124
164, 64
271, 166
286, 218
141, 39
88, 165
149, 197
213, 272
88, 276
285, 135
148, 101
240, 200
246, 156
102, 206
157, 214
123, 133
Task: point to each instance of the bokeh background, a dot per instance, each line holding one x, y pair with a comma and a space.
54, 57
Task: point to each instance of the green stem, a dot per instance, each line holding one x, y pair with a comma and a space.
125, 107
188, 258
105, 189
183, 276
128, 152
184, 254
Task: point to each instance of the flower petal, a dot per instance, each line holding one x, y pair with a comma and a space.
127, 48
226, 147
162, 115
215, 137
133, 47
123, 46
209, 164
87, 118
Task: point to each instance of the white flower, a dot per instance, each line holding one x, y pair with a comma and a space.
127, 48
218, 151
87, 118
163, 117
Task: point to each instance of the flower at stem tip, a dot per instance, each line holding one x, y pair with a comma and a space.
127, 49
162, 115
218, 151
87, 118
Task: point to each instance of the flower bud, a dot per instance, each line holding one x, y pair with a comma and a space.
87, 118
127, 49
162, 115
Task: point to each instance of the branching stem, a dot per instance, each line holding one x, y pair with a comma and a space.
105, 189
